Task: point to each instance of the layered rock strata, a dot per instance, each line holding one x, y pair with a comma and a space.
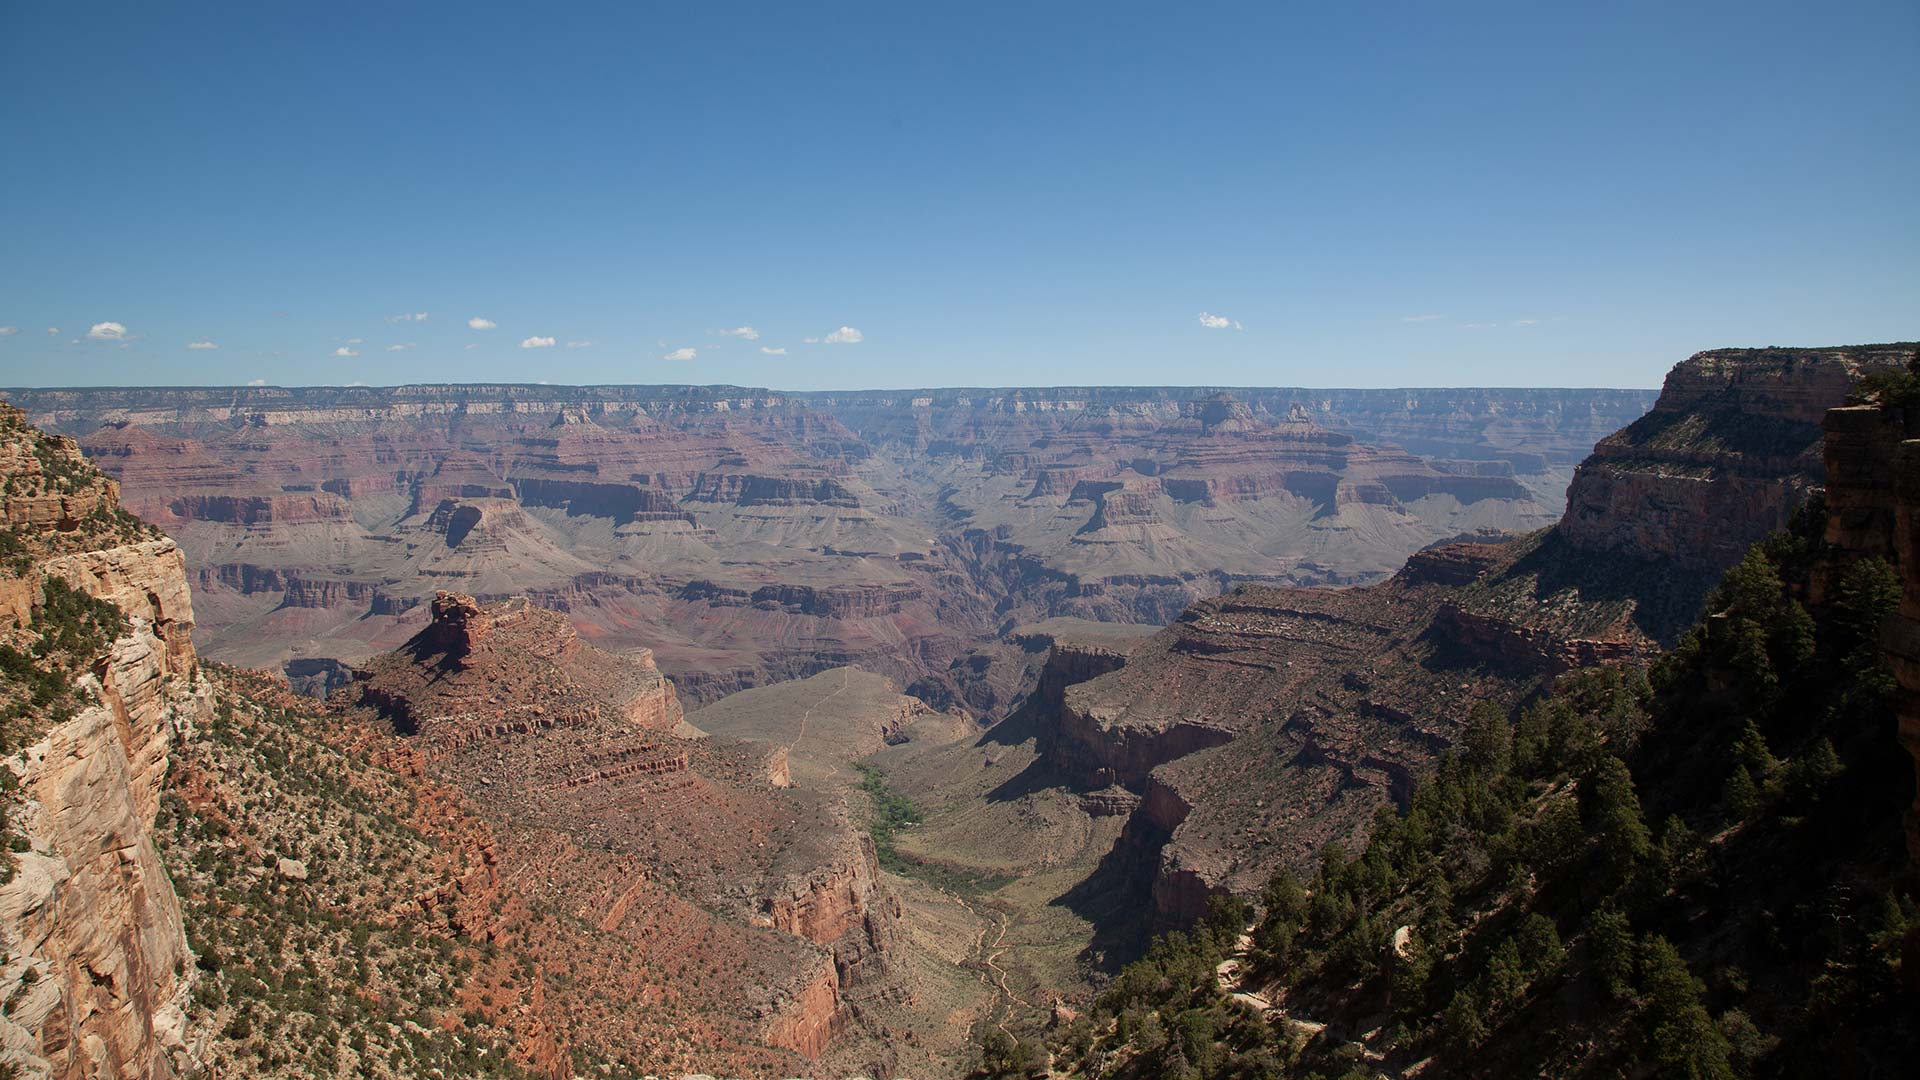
1265, 723
97, 968
578, 760
748, 536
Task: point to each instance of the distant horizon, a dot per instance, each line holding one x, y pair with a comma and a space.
1227, 387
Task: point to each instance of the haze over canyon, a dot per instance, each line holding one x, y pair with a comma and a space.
620, 730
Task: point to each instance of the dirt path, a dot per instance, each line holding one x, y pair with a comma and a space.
846, 677
992, 975
1227, 976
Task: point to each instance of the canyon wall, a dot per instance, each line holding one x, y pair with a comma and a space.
1873, 510
97, 968
747, 536
1731, 447
1264, 723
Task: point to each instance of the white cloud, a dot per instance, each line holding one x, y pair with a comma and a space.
53, 331
478, 323
1478, 325
579, 344
472, 346
344, 351
200, 345
846, 335
537, 343
780, 350
1420, 318
8, 331
400, 348
107, 331
355, 340
256, 382
809, 341
1526, 322
415, 316
745, 333
1217, 322
686, 353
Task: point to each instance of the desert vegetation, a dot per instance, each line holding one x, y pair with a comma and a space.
1695, 868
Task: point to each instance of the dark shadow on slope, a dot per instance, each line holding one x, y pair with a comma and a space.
1117, 899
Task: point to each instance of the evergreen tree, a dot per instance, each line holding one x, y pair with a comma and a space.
1488, 742
1540, 948
1612, 811
1751, 752
1743, 795
1610, 942
1685, 1042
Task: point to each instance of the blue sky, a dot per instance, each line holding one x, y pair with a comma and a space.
1031, 194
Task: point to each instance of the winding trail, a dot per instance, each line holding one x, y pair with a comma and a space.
846, 677
991, 974
1227, 976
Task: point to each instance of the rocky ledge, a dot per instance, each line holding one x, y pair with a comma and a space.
97, 969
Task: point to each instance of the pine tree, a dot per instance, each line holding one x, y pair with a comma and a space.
1488, 742
1540, 948
1612, 810
1751, 751
1743, 795
1685, 1040
1610, 943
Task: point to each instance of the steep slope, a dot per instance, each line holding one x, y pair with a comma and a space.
100, 681
573, 756
1268, 722
1706, 876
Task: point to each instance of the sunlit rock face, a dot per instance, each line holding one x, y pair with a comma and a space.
98, 969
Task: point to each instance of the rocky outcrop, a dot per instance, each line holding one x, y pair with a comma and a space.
584, 768
1265, 723
807, 1021
288, 509
1093, 751
842, 905
750, 490
1873, 511
1731, 448
97, 969
1530, 650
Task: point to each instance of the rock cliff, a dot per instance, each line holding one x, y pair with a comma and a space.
1873, 510
98, 968
1267, 722
580, 763
1732, 446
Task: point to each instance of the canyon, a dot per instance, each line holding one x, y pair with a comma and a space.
637, 675
1268, 722
745, 536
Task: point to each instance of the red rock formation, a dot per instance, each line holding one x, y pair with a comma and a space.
573, 755
622, 503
